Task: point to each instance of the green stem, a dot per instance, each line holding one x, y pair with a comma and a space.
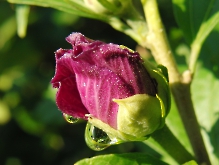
182, 96
157, 40
172, 146
158, 43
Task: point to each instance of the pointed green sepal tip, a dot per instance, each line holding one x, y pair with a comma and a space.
124, 47
160, 75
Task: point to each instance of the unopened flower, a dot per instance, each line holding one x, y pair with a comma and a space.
111, 87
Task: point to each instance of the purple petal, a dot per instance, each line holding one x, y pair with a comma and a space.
93, 73
67, 97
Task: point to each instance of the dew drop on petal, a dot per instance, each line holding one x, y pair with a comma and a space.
70, 119
97, 139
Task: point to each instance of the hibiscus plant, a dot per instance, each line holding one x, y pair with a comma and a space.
125, 98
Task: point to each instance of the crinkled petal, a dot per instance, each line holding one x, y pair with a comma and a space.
67, 98
96, 73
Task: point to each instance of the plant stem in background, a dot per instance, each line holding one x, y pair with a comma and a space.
172, 145
158, 43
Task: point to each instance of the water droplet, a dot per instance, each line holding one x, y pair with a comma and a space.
97, 139
70, 119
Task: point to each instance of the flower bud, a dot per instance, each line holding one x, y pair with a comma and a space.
111, 87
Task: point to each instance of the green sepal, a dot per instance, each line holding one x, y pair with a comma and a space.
160, 74
164, 71
124, 47
139, 115
113, 133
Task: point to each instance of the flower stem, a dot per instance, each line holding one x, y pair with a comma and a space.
171, 145
158, 43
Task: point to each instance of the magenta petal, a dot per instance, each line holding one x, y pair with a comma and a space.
97, 89
68, 99
93, 73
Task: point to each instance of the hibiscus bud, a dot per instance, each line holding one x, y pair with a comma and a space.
111, 87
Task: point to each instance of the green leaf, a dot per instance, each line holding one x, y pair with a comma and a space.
122, 159
206, 95
192, 162
196, 18
135, 28
76, 7
22, 12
